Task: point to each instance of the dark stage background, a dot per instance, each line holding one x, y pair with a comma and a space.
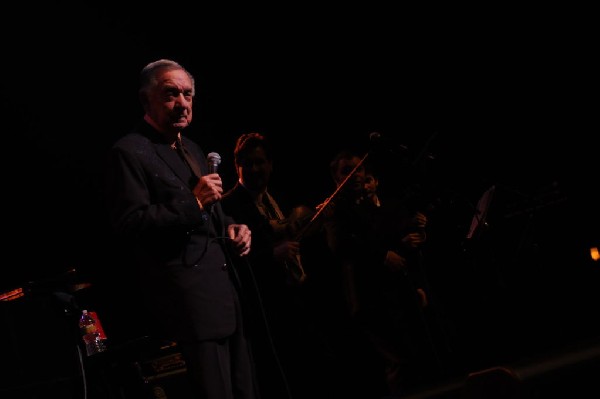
461, 106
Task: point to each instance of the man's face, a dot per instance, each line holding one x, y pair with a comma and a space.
255, 169
345, 167
170, 102
370, 184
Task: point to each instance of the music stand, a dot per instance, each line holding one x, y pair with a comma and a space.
479, 221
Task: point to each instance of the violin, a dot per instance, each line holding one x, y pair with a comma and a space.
289, 228
300, 217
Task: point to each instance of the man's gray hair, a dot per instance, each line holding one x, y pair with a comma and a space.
150, 71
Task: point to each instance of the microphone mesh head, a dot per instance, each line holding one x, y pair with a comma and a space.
214, 158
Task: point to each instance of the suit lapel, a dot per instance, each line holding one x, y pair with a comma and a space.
174, 161
166, 152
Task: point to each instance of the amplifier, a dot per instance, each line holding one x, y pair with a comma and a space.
161, 377
162, 367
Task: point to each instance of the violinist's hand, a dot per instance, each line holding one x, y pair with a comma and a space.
413, 240
240, 236
286, 250
420, 220
395, 262
418, 237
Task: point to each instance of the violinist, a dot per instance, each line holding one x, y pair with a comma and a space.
280, 323
373, 240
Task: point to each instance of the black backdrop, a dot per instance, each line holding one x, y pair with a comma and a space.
463, 104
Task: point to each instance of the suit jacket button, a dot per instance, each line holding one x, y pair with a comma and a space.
224, 267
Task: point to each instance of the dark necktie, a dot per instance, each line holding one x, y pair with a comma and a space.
271, 212
188, 158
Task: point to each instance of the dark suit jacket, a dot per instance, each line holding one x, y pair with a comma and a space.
360, 236
183, 274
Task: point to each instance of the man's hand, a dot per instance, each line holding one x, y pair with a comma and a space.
209, 189
240, 236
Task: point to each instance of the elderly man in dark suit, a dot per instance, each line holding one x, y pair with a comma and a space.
163, 203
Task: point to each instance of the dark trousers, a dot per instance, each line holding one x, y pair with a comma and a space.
221, 369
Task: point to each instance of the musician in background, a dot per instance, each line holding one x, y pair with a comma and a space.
375, 241
280, 323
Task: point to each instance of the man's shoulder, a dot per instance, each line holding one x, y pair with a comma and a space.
131, 137
132, 142
140, 134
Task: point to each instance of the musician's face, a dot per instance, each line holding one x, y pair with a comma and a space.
255, 170
345, 167
371, 184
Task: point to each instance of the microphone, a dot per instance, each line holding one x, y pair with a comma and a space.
214, 160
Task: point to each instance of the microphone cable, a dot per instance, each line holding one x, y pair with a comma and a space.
263, 315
